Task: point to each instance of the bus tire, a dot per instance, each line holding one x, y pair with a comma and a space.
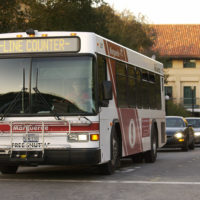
109, 167
138, 158
151, 155
8, 169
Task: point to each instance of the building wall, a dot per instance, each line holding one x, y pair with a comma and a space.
180, 77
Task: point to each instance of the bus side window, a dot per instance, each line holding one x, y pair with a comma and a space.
158, 91
102, 75
152, 91
121, 83
131, 86
144, 89
138, 88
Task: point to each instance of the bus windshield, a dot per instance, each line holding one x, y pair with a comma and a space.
40, 86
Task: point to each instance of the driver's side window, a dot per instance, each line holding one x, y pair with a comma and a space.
102, 74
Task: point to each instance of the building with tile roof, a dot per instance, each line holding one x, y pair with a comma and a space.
179, 45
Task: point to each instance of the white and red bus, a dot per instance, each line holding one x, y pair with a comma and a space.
77, 98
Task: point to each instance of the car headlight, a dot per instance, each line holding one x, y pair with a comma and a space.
78, 137
196, 133
179, 135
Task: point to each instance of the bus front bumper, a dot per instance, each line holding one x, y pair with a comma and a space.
52, 157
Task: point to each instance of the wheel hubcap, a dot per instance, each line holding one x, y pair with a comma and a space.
154, 147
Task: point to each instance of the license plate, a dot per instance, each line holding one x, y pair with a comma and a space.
31, 138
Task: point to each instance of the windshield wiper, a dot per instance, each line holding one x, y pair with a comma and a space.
12, 103
46, 103
90, 122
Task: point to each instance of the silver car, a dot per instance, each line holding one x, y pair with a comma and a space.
195, 122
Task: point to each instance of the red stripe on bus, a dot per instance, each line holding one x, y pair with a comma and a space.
128, 118
111, 68
132, 130
47, 128
115, 51
145, 127
105, 45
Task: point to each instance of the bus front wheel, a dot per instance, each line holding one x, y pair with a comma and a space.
109, 167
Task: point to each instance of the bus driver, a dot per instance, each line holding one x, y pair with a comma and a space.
80, 94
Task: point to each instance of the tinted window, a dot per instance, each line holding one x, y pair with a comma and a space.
145, 85
137, 87
102, 74
174, 122
131, 86
121, 84
195, 122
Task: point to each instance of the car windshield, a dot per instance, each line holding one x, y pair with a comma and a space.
40, 86
194, 122
174, 122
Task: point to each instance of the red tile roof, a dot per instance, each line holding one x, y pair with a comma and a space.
178, 41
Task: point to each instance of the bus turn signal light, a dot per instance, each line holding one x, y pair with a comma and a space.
44, 35
73, 34
94, 137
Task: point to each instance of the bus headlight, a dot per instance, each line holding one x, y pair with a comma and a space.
179, 135
78, 137
196, 134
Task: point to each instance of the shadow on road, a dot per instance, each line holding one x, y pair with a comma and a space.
165, 150
63, 172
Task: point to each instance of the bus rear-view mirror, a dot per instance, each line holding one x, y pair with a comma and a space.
107, 90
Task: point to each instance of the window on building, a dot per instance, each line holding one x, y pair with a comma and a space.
189, 98
168, 91
168, 64
189, 63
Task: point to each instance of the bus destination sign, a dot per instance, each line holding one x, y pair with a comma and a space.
39, 45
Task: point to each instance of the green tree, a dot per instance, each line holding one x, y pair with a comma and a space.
76, 15
63, 15
125, 29
11, 16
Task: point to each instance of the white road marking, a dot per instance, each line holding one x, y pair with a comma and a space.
127, 170
104, 181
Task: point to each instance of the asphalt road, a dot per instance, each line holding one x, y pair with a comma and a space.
175, 175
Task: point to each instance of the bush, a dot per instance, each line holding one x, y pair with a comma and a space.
173, 109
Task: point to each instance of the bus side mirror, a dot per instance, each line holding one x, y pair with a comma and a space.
107, 90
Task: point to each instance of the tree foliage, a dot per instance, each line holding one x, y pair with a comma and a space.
173, 109
76, 15
12, 18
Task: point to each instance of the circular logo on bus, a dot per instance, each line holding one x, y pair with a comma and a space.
132, 133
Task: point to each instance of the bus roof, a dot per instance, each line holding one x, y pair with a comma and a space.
93, 43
